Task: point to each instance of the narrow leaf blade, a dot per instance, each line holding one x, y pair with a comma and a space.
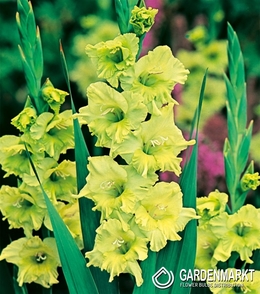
77, 275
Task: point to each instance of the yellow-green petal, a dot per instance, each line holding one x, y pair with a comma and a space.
117, 250
37, 260
154, 77
114, 56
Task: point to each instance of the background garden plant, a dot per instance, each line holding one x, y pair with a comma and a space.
130, 113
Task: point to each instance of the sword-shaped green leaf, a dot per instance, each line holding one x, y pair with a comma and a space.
123, 11
78, 276
31, 53
236, 149
5, 278
123, 16
256, 259
243, 151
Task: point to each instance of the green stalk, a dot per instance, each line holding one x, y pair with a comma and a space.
236, 147
47, 290
31, 53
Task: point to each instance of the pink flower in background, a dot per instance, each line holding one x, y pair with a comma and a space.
210, 167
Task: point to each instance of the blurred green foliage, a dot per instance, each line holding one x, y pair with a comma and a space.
59, 19
243, 15
64, 19
213, 56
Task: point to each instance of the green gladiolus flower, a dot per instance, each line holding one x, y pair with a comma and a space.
142, 19
70, 215
161, 214
251, 286
57, 179
43, 166
37, 260
59, 182
25, 119
206, 244
13, 156
213, 205
250, 181
111, 115
54, 97
154, 77
114, 187
250, 283
238, 232
155, 146
23, 207
54, 132
214, 55
114, 56
117, 250
198, 35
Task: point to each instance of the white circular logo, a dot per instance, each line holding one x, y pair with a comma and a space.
168, 283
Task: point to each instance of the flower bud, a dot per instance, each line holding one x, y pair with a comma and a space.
54, 97
142, 19
250, 181
25, 119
